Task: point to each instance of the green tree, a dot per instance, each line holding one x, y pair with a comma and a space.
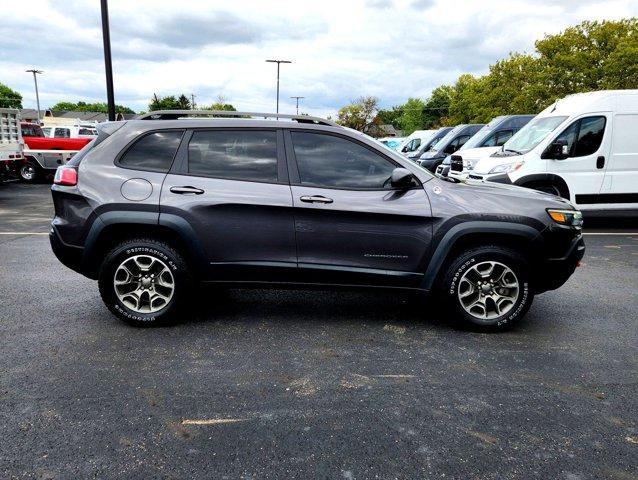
90, 107
169, 102
360, 115
9, 98
411, 117
390, 117
437, 107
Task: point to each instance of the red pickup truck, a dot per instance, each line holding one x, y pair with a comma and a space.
34, 138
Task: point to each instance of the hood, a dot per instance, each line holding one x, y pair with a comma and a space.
485, 164
501, 189
431, 154
472, 155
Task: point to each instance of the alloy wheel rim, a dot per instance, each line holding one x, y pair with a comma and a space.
144, 283
27, 172
488, 290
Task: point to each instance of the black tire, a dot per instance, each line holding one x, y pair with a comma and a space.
30, 172
179, 302
551, 188
453, 281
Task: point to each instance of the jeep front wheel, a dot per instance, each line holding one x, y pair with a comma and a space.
488, 287
145, 282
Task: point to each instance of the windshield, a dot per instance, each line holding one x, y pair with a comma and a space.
532, 134
479, 137
446, 139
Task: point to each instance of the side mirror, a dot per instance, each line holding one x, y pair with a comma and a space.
402, 178
558, 150
456, 163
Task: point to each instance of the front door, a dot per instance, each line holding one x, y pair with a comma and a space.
587, 141
231, 187
351, 226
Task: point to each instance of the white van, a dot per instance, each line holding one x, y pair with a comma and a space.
413, 141
584, 147
70, 131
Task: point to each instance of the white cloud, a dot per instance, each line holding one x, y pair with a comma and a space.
341, 49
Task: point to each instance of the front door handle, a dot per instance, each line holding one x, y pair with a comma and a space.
600, 162
186, 190
315, 199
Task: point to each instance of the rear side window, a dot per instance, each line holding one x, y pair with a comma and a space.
62, 133
153, 152
249, 155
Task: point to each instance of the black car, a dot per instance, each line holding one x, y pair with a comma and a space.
449, 144
154, 206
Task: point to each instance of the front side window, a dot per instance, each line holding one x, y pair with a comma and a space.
31, 131
498, 139
249, 155
584, 136
62, 133
153, 152
335, 162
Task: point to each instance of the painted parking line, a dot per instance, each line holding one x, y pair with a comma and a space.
611, 233
24, 233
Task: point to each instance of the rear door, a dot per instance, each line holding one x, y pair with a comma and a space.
230, 185
351, 226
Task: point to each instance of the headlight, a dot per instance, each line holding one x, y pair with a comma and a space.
507, 167
572, 218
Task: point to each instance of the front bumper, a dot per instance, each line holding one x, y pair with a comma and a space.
555, 271
495, 177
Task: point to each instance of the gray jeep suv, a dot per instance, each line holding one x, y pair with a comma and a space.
153, 206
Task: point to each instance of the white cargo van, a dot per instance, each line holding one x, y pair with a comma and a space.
584, 147
413, 141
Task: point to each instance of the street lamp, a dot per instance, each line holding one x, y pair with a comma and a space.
278, 62
297, 99
37, 95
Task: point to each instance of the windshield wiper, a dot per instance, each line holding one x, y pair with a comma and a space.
513, 151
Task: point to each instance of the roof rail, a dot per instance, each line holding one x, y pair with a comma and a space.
180, 114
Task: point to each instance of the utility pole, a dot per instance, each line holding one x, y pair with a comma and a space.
37, 95
192, 101
297, 99
108, 65
278, 62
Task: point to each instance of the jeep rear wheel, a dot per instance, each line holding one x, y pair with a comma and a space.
145, 282
488, 287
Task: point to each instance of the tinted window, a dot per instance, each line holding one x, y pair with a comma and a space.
234, 154
87, 131
590, 135
329, 161
62, 133
31, 131
154, 151
499, 138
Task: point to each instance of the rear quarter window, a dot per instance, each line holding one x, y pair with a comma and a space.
154, 151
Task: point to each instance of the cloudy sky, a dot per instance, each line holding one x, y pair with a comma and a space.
340, 49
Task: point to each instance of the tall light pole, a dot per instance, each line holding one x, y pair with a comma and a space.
278, 62
37, 95
108, 66
297, 99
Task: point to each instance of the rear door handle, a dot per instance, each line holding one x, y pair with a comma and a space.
315, 199
186, 190
600, 162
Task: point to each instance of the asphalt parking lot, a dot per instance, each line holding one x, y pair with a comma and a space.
276, 384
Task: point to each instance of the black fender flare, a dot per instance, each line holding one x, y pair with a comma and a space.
543, 177
177, 225
457, 232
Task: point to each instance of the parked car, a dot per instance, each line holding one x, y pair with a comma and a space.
70, 131
43, 155
584, 148
36, 140
392, 142
152, 207
11, 143
449, 144
413, 141
486, 141
429, 143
